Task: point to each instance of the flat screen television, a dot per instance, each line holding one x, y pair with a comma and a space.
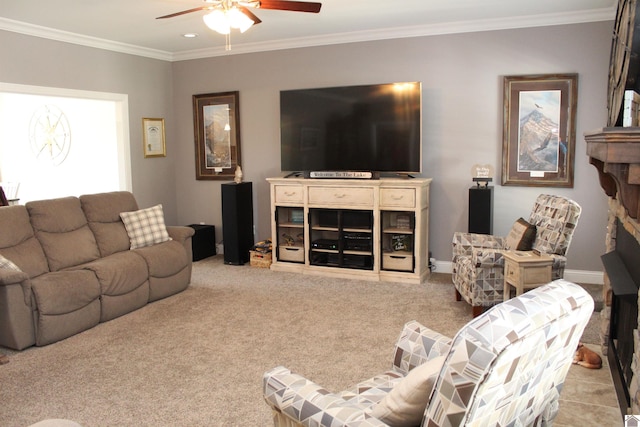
372, 128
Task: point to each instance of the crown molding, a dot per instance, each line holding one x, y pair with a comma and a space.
595, 15
545, 20
80, 39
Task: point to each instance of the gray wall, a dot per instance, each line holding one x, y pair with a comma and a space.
461, 78
462, 103
35, 61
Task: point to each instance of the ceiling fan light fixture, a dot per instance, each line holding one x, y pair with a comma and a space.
239, 20
222, 20
217, 21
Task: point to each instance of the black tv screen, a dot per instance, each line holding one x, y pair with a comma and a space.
375, 128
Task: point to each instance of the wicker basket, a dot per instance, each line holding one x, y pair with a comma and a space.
260, 259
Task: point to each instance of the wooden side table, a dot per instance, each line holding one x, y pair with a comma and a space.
525, 270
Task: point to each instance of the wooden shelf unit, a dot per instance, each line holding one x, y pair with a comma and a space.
398, 225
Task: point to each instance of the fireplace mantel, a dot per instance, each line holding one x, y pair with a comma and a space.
615, 152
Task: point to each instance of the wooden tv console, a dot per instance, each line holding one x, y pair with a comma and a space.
363, 229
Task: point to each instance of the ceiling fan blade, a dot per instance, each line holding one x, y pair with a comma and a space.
250, 14
294, 6
195, 9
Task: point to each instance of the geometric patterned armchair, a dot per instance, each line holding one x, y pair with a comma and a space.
505, 367
478, 264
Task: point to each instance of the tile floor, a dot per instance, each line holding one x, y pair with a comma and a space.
588, 397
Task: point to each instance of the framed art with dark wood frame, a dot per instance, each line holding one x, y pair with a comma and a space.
216, 119
153, 138
539, 130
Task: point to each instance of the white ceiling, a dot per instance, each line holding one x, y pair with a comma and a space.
130, 25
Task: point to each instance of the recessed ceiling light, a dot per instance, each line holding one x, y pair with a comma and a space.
190, 35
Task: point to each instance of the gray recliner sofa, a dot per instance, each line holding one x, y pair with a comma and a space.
75, 267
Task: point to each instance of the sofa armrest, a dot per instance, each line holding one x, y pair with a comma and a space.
416, 345
464, 243
308, 404
180, 233
16, 277
10, 277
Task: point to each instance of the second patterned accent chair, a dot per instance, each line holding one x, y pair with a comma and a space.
478, 264
503, 368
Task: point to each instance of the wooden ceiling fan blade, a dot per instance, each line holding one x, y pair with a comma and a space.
294, 6
184, 12
250, 14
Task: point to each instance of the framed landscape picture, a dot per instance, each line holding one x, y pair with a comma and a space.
539, 126
216, 119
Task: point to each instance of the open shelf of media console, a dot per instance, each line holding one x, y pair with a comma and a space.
372, 229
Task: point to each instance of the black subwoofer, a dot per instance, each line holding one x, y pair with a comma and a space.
203, 242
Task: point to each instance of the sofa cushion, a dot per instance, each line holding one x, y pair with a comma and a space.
67, 302
521, 236
61, 227
103, 214
164, 259
169, 268
119, 273
18, 242
124, 284
405, 404
61, 292
145, 227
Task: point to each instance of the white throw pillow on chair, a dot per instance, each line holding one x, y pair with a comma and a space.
405, 404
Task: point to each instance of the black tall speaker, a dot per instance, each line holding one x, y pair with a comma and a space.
481, 210
237, 222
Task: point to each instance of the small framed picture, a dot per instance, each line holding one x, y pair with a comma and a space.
153, 137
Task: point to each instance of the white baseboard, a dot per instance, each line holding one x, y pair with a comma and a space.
577, 276
443, 267
584, 276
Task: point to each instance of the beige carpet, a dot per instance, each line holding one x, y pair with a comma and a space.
197, 358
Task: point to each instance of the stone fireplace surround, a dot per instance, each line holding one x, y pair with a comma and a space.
615, 153
618, 219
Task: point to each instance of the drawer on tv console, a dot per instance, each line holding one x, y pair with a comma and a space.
398, 197
291, 253
289, 194
398, 261
352, 196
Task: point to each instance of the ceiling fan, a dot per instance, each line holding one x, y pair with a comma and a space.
225, 13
